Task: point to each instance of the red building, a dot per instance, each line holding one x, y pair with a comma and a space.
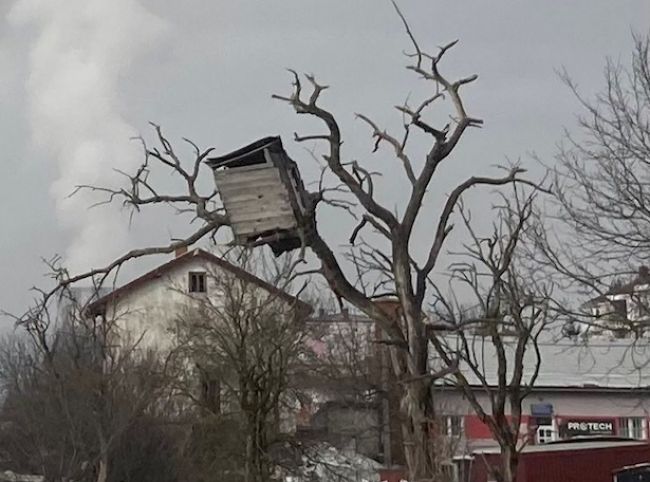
595, 390
592, 461
599, 389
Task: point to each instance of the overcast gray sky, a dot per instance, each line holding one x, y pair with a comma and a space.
79, 77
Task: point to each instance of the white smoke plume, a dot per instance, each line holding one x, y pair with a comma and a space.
81, 52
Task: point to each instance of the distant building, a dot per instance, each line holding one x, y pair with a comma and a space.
144, 311
600, 389
623, 310
146, 307
340, 397
593, 460
350, 399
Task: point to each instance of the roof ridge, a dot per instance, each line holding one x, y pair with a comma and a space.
197, 252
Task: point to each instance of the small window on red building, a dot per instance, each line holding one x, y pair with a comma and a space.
633, 427
544, 434
197, 282
453, 425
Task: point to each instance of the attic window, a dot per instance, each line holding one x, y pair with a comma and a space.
197, 282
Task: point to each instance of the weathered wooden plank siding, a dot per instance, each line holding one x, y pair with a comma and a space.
232, 176
274, 194
256, 200
261, 225
265, 212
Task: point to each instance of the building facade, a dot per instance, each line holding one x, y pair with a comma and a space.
622, 311
145, 308
599, 389
342, 397
174, 309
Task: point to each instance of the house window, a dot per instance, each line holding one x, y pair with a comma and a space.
197, 282
210, 392
620, 308
633, 427
453, 425
544, 434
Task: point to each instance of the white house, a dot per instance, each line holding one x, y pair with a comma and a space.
623, 309
146, 307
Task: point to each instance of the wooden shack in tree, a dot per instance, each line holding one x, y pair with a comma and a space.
263, 195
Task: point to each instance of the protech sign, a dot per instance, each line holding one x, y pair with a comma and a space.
573, 428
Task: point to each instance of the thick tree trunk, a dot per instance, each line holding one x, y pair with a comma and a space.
257, 466
102, 469
102, 473
410, 367
510, 463
417, 416
419, 438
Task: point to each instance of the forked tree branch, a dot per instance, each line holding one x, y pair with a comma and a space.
139, 192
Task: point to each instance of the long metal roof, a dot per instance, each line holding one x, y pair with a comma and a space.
594, 364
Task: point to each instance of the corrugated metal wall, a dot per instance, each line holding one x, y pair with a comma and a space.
594, 465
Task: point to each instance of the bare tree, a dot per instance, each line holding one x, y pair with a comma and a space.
24, 444
600, 224
396, 268
73, 394
404, 277
246, 343
495, 338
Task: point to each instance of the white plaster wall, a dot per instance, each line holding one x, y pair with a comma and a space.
150, 309
637, 304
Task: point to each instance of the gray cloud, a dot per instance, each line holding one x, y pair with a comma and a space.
211, 78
